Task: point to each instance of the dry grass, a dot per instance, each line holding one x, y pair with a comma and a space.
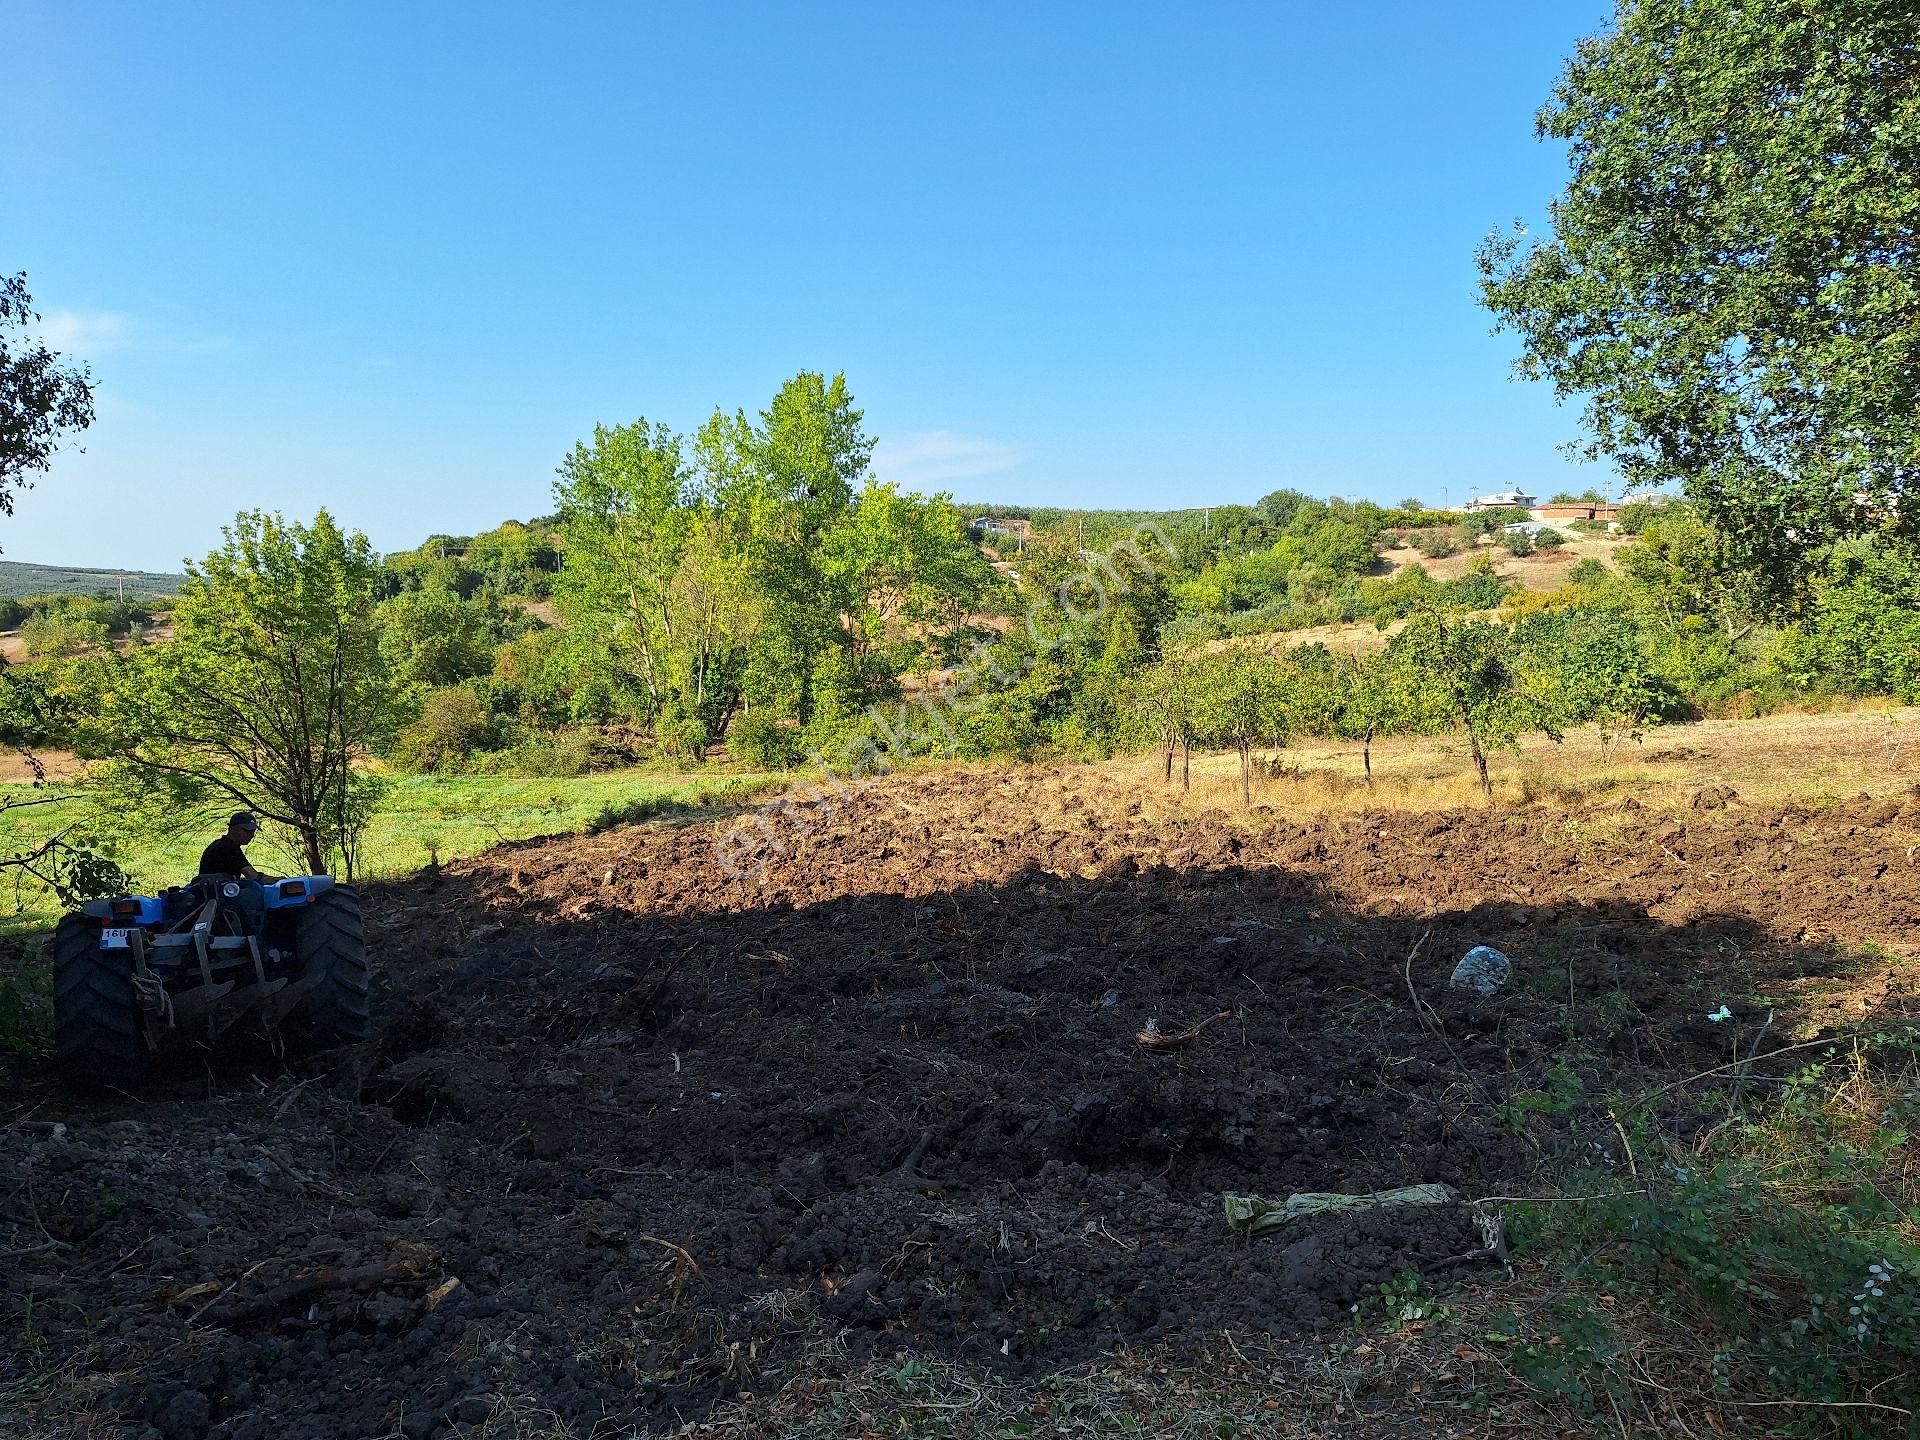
1363, 1385
1775, 760
1542, 570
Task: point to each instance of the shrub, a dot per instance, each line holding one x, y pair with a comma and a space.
763, 742
1186, 630
1781, 1241
52, 637
453, 723
1478, 589
562, 756
1517, 542
1436, 544
1549, 540
682, 735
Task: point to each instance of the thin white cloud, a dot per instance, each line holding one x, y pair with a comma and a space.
84, 333
90, 334
934, 459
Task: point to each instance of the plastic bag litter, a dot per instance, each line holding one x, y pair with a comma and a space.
1483, 970
1250, 1215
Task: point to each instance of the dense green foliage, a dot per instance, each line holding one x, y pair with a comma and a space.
758, 568
512, 559
1671, 627
750, 584
1732, 283
1777, 1244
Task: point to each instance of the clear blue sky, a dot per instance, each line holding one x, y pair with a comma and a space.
396, 258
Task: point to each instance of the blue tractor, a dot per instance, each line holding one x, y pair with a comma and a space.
198, 963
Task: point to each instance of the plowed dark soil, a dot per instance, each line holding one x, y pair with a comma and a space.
668, 1128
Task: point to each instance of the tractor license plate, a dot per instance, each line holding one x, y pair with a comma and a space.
115, 939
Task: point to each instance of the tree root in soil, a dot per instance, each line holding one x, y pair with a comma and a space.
269, 1307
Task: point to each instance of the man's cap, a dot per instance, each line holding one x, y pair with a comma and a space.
244, 820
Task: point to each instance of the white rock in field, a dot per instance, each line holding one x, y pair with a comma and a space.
1483, 970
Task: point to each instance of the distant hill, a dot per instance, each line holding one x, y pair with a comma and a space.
18, 580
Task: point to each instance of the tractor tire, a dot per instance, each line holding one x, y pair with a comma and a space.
332, 943
99, 1039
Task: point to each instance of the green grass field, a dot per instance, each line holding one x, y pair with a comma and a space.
424, 816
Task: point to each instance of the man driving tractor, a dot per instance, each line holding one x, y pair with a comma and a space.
228, 854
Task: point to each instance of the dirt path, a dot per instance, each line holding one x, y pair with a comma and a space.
672, 1130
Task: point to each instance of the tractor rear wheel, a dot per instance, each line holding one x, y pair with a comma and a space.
332, 945
98, 1032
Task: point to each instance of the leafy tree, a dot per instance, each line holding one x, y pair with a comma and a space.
1485, 522
1861, 631
1280, 507
1732, 280
1313, 690
516, 558
526, 680
42, 397
1393, 597
1597, 665
905, 569
624, 512
1169, 693
1241, 701
1476, 678
1637, 515
64, 857
1683, 566
759, 566
53, 636
1341, 547
763, 742
1375, 699
272, 685
1479, 589
783, 484
433, 638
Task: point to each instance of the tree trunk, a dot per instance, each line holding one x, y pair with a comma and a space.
1186, 764
1166, 777
310, 845
1366, 755
1246, 774
1480, 762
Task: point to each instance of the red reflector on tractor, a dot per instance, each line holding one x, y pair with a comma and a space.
292, 889
126, 908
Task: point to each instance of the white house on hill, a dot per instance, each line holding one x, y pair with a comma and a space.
1503, 500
